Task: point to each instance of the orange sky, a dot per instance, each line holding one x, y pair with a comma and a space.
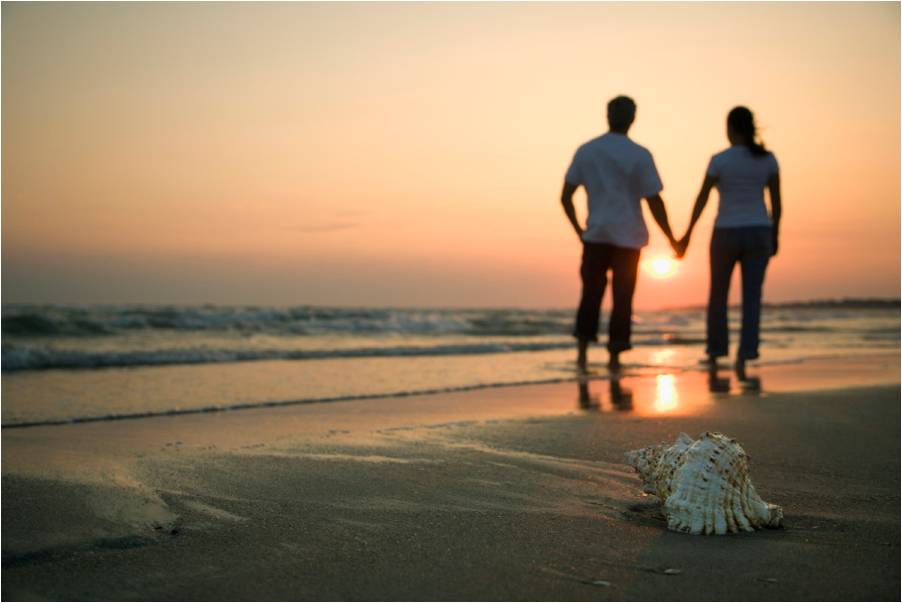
412, 154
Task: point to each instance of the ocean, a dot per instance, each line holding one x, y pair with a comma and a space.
77, 363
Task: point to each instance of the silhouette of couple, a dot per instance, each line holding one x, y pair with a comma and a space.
617, 174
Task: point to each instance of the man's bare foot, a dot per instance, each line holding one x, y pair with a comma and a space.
614, 361
581, 360
739, 367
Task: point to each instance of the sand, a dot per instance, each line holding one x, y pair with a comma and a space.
514, 493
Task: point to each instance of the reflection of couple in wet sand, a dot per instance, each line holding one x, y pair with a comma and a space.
617, 174
621, 397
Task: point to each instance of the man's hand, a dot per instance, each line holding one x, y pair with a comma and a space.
776, 243
659, 213
567, 202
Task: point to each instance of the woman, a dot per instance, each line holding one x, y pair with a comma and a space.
743, 232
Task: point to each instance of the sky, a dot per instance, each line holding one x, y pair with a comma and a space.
413, 154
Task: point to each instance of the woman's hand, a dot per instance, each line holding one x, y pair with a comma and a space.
776, 243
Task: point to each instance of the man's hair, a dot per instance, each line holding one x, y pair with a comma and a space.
621, 112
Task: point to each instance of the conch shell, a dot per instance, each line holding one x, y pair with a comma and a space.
704, 485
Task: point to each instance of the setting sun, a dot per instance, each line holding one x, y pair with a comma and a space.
660, 267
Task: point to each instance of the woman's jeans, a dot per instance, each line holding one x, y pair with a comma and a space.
623, 262
750, 246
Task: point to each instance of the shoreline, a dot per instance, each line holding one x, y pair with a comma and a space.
594, 375
505, 493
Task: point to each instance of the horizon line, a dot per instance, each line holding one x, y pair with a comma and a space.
822, 302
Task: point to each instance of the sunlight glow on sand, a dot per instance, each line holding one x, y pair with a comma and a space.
667, 397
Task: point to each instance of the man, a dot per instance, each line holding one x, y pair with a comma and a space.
617, 174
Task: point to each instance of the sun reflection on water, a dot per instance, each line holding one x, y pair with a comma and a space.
666, 395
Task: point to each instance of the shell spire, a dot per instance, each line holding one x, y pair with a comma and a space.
704, 485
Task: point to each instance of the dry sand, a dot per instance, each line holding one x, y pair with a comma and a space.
515, 493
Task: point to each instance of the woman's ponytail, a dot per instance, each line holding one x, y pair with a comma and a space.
741, 121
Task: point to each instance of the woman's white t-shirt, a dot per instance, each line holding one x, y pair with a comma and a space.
741, 178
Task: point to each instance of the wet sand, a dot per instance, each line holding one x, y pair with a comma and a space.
514, 493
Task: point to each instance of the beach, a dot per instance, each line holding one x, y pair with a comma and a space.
347, 301
515, 493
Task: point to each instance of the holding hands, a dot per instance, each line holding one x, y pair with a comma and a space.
679, 246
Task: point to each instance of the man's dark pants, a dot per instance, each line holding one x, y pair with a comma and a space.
598, 258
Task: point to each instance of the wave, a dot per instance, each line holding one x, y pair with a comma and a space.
91, 337
75, 321
20, 357
101, 321
17, 357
